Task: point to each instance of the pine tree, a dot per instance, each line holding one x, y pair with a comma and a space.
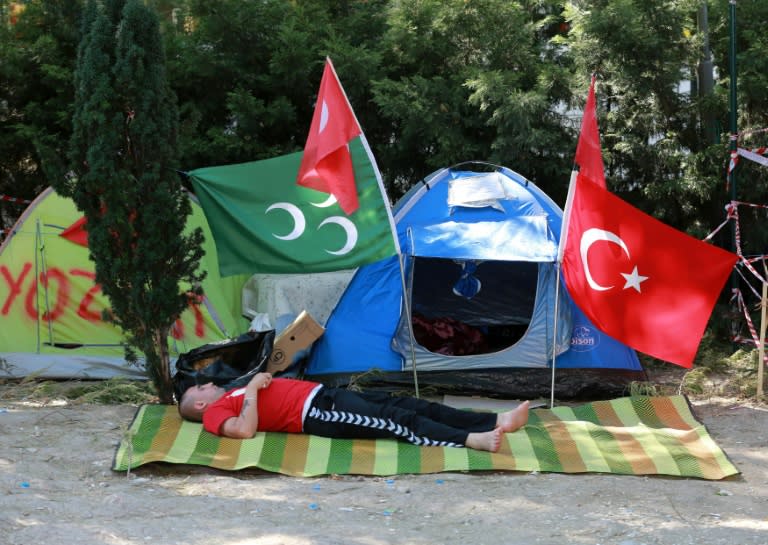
123, 152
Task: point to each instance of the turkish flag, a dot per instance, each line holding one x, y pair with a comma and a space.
326, 165
589, 157
637, 279
76, 233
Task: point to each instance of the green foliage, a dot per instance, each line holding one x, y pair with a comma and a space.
723, 372
37, 48
656, 148
239, 73
472, 81
647, 389
123, 155
641, 52
695, 381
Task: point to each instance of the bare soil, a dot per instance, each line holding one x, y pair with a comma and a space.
56, 486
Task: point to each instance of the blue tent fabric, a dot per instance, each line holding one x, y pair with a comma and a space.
358, 334
593, 349
497, 240
509, 230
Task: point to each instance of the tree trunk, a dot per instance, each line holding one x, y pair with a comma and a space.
162, 373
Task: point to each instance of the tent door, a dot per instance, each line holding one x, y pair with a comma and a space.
466, 307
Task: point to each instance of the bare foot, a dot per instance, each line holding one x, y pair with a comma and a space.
515, 419
487, 440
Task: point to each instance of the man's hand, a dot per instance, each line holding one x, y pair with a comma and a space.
261, 380
246, 423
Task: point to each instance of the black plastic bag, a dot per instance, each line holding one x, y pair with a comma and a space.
229, 364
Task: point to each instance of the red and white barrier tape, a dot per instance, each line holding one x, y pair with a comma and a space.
755, 155
734, 160
746, 262
732, 213
751, 154
752, 330
746, 281
15, 200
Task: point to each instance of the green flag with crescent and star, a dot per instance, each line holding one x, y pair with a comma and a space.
263, 222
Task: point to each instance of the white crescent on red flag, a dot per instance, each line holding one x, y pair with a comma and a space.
326, 164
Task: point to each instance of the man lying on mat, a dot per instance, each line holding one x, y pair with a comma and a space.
298, 406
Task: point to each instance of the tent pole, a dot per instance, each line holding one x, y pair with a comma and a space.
407, 307
41, 271
44, 271
554, 340
38, 252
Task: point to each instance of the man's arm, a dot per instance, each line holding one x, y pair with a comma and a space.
244, 425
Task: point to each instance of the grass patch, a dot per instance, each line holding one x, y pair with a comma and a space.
113, 391
101, 392
718, 371
643, 389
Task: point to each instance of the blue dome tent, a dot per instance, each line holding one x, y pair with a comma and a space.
478, 292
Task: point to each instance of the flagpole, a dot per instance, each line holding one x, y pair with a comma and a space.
554, 340
560, 251
391, 219
372, 159
589, 139
395, 240
566, 216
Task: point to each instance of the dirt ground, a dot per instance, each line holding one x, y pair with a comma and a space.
56, 486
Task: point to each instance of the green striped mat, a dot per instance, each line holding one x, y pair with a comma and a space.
631, 435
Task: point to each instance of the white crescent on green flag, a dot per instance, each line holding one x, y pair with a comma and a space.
263, 222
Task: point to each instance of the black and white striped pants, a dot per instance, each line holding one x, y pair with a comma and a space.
344, 414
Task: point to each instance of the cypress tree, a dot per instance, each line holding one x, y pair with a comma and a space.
123, 151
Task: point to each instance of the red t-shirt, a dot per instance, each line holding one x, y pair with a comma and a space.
280, 406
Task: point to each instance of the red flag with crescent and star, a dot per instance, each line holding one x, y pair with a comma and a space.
326, 165
638, 280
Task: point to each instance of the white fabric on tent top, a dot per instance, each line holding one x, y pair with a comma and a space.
477, 191
517, 238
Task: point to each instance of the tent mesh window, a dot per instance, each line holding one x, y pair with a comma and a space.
471, 307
